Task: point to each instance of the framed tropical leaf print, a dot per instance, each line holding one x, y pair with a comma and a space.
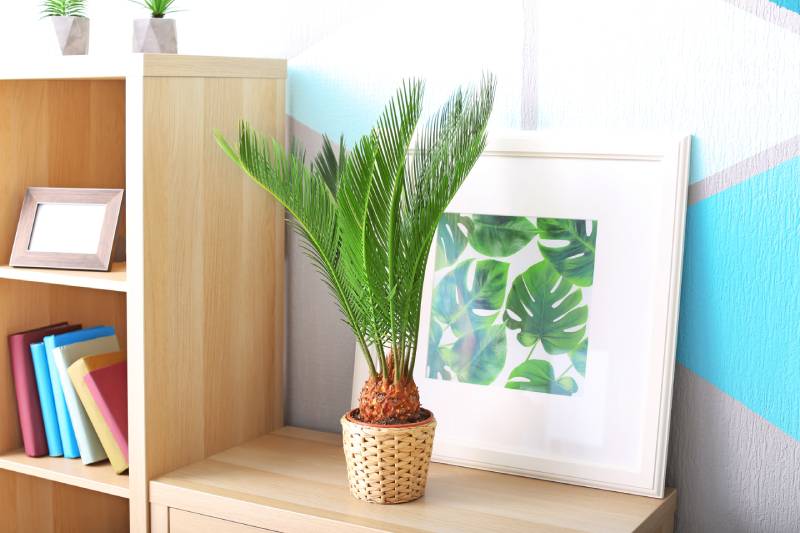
550, 310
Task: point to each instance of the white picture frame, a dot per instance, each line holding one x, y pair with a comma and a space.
612, 433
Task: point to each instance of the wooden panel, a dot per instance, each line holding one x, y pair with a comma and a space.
159, 519
25, 306
166, 65
32, 505
183, 522
58, 134
295, 480
211, 277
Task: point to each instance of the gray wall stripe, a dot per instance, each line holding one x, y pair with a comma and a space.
745, 169
734, 471
780, 16
320, 347
528, 102
309, 138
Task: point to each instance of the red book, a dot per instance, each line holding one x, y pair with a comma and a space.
28, 406
109, 388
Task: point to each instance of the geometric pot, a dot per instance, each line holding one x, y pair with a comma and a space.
387, 464
155, 36
72, 34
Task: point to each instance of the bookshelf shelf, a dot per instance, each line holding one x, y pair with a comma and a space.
115, 280
198, 305
99, 478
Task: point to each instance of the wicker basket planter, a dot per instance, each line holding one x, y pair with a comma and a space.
387, 464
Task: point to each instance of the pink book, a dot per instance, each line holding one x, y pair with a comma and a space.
109, 388
29, 409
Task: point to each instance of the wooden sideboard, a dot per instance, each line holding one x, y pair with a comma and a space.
294, 480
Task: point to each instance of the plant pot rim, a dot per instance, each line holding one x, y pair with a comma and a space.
430, 418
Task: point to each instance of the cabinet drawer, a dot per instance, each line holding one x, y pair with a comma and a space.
185, 522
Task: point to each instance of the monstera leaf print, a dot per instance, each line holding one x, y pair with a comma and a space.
436, 368
578, 357
451, 238
572, 253
478, 356
499, 236
471, 295
537, 376
543, 307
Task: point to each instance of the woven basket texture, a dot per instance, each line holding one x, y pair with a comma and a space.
387, 464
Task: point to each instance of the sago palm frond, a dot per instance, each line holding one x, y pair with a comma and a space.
369, 215
64, 8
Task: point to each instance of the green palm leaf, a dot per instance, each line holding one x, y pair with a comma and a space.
368, 216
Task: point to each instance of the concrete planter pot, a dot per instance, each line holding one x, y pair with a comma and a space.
72, 34
155, 36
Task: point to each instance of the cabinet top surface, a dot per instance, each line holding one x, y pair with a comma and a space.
140, 65
273, 480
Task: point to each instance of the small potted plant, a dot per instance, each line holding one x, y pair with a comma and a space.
156, 35
369, 216
71, 25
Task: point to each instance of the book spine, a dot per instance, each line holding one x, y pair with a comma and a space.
68, 441
119, 461
46, 400
91, 451
30, 413
115, 425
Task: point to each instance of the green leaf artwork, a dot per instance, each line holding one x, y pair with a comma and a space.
543, 307
538, 376
451, 238
436, 368
496, 236
578, 357
477, 357
510, 303
471, 295
572, 255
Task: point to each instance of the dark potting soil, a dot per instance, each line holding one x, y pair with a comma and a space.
422, 415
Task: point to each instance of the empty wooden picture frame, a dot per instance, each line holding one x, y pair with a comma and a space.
72, 229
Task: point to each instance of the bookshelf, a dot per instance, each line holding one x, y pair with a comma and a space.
198, 302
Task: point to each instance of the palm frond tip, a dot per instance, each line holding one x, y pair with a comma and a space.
368, 215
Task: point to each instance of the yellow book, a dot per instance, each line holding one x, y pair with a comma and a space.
77, 371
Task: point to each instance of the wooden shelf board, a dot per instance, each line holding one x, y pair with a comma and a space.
295, 480
114, 280
99, 477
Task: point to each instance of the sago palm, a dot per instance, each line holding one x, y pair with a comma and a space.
368, 217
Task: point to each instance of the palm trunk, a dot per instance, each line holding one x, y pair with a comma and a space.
387, 400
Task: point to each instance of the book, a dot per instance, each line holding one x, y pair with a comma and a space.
46, 401
68, 441
82, 371
29, 408
88, 442
109, 388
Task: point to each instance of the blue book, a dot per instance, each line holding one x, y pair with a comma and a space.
46, 400
68, 441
